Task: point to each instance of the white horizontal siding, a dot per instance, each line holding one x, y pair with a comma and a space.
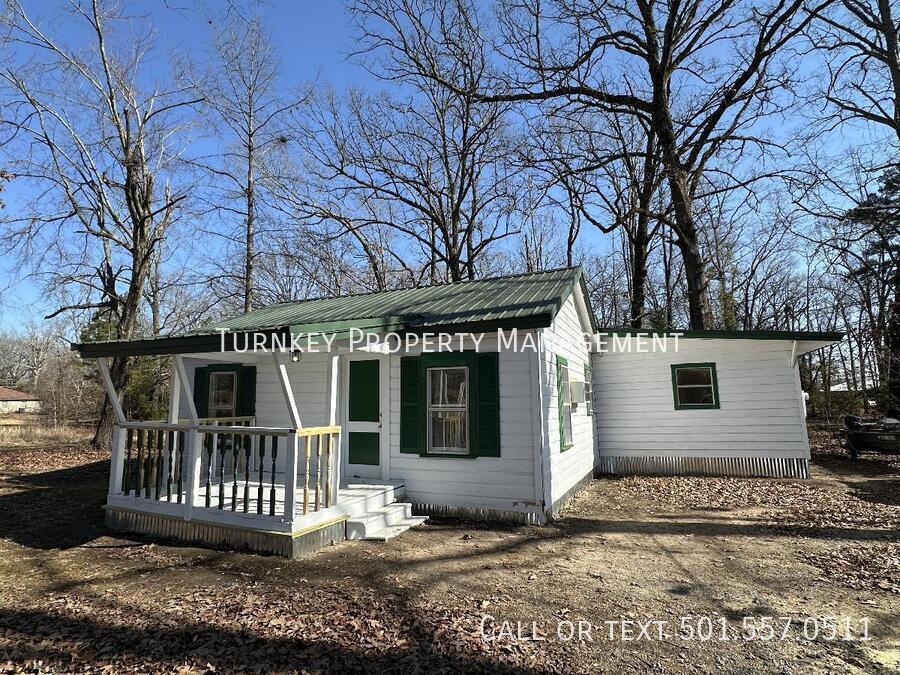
506, 482
760, 413
566, 338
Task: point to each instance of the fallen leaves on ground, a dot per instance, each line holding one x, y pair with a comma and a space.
861, 566
866, 507
704, 493
18, 461
255, 628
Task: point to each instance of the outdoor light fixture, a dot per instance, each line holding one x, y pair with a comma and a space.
295, 355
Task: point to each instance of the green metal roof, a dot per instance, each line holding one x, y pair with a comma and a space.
524, 301
525, 297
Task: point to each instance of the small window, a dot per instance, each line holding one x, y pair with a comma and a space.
448, 411
694, 386
222, 394
588, 390
564, 396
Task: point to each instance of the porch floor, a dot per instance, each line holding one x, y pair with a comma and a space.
228, 505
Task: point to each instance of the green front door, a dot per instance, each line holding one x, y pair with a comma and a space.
364, 418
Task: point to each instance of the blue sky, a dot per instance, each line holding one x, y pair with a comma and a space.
312, 38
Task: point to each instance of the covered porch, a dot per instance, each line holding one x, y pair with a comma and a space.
228, 480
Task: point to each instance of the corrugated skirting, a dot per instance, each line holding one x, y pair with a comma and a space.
746, 467
194, 532
475, 513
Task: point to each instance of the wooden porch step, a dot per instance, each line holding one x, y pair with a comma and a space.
383, 523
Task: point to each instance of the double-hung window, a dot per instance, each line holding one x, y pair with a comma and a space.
694, 386
222, 393
447, 423
564, 399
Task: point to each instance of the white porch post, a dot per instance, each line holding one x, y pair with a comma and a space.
193, 437
182, 378
103, 365
174, 393
194, 456
290, 477
117, 461
290, 464
285, 381
333, 398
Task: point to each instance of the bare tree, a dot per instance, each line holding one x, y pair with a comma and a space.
434, 168
861, 43
242, 92
97, 147
13, 369
700, 74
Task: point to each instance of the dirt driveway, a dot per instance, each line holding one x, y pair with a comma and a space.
674, 564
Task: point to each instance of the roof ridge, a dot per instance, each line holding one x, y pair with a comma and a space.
412, 288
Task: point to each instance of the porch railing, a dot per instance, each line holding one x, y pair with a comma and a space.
228, 466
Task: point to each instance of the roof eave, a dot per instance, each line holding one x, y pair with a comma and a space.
226, 341
829, 337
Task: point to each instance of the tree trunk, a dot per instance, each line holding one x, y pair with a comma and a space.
689, 246
892, 386
639, 272
251, 224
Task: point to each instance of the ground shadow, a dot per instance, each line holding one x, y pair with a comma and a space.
54, 509
158, 645
871, 478
867, 464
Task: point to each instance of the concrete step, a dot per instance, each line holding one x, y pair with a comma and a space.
392, 531
396, 515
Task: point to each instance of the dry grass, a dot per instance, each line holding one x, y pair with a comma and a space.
27, 435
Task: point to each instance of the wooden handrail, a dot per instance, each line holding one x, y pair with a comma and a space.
208, 428
204, 420
315, 431
277, 431
253, 431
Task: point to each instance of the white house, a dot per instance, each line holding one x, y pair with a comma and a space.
493, 399
12, 401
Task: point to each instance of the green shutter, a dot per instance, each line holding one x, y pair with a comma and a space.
201, 391
246, 404
487, 429
411, 412
560, 362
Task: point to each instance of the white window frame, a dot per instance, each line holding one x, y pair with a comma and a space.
212, 391
566, 404
713, 386
588, 390
441, 407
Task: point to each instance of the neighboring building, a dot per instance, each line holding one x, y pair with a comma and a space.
285, 453
12, 401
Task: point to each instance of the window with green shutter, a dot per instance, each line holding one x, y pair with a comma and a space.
225, 390
450, 405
